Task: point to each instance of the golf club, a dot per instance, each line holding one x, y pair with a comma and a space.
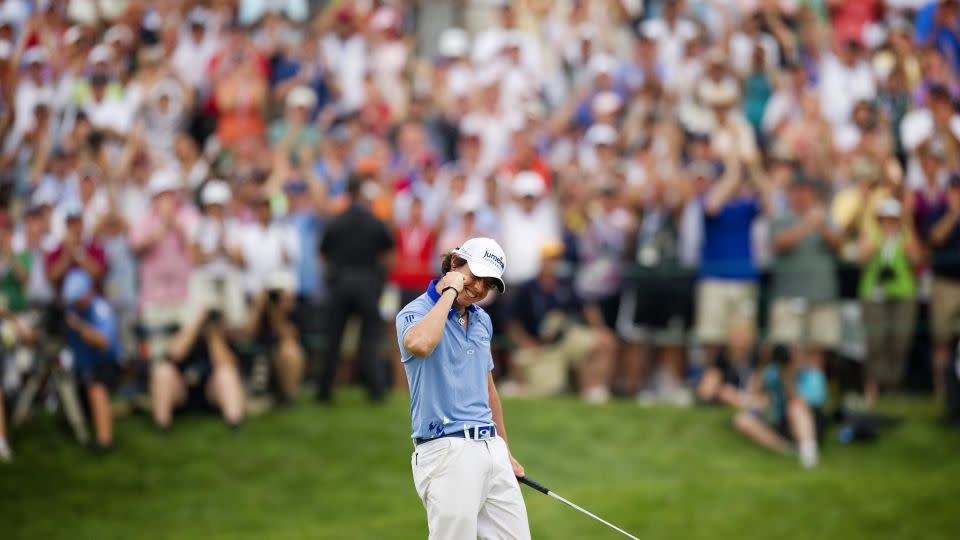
545, 491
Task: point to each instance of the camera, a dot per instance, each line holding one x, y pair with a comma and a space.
273, 295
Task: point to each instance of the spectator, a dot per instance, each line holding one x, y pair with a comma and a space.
556, 331
269, 252
216, 283
656, 309
888, 295
804, 289
356, 248
416, 246
531, 219
728, 276
794, 414
76, 252
943, 235
159, 240
729, 381
94, 344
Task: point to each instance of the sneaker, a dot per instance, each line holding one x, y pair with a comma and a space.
596, 396
678, 396
808, 455
647, 398
6, 455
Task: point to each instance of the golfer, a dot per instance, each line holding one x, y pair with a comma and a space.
462, 469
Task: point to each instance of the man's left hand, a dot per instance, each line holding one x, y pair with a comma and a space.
517, 467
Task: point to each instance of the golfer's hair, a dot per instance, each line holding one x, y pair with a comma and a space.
449, 261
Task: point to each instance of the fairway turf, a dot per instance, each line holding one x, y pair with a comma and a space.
344, 472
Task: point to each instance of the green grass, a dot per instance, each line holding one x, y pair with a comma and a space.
344, 472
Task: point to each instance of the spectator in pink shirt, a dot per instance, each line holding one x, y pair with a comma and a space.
159, 240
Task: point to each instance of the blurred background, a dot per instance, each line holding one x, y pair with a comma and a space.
732, 237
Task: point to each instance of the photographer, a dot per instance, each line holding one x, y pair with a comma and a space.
888, 294
94, 345
201, 369
268, 250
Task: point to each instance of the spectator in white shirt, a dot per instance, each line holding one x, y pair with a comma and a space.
671, 33
746, 39
196, 45
217, 281
845, 78
344, 52
268, 249
490, 42
530, 219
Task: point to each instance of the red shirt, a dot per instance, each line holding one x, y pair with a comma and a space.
415, 250
93, 250
537, 165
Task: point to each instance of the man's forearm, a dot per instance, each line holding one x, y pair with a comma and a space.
497, 409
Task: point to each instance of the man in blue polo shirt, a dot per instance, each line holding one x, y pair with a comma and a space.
94, 344
462, 469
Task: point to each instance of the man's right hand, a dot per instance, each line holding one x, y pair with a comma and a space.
451, 279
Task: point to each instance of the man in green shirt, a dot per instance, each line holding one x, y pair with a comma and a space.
14, 273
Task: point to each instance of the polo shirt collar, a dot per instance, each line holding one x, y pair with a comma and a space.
434, 296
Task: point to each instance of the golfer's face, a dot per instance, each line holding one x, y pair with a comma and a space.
474, 289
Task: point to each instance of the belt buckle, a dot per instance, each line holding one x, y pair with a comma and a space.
481, 433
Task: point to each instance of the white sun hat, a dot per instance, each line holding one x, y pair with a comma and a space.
485, 258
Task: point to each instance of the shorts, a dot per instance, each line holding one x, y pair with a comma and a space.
794, 322
945, 309
719, 302
105, 372
158, 320
819, 422
657, 308
545, 368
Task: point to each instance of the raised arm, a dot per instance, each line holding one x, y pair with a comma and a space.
424, 336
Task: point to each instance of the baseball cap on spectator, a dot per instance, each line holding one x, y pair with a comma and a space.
215, 192
118, 33
471, 126
301, 96
702, 169
76, 285
916, 127
384, 18
45, 195
889, 208
602, 64
101, 54
90, 170
6, 50
35, 55
72, 35
606, 103
344, 15
528, 184
5, 221
601, 134
453, 43
485, 258
163, 181
198, 16
468, 203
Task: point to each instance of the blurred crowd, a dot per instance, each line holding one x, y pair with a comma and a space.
206, 202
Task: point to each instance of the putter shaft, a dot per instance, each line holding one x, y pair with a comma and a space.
539, 487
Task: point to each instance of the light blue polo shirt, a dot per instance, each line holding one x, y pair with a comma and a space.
448, 388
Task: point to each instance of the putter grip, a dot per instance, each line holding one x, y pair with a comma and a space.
533, 484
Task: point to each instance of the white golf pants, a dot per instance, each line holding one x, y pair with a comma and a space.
469, 490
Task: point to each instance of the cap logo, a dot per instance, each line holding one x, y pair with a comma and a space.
498, 261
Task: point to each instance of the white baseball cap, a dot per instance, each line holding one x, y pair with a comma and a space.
485, 258
528, 184
301, 96
162, 181
889, 208
215, 192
